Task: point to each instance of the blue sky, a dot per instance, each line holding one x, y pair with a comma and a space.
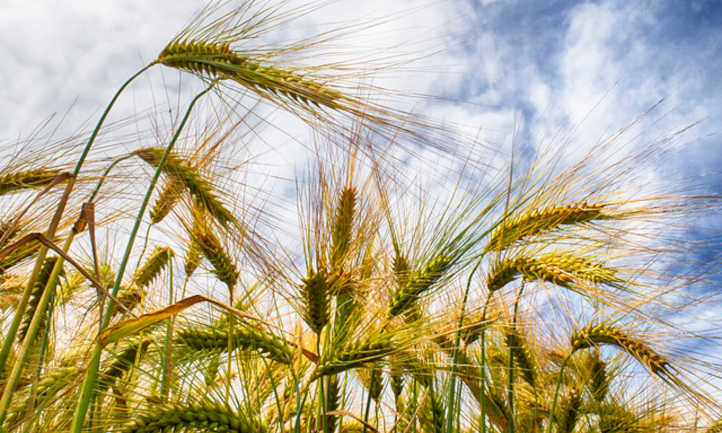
533, 74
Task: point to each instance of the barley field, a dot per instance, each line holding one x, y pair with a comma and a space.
160, 273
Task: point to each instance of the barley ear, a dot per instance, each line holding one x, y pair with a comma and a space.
159, 259
342, 230
532, 223
605, 333
167, 199
418, 284
210, 246
197, 185
18, 181
315, 293
193, 416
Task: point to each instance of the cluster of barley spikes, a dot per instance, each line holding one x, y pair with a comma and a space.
546, 301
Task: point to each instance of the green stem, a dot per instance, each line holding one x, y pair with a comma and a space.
50, 234
556, 392
482, 391
92, 374
48, 292
168, 364
368, 402
510, 383
455, 357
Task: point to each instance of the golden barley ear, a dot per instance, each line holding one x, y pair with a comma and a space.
522, 355
167, 199
595, 334
570, 410
532, 223
561, 268
193, 258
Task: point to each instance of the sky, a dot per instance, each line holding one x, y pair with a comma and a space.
525, 74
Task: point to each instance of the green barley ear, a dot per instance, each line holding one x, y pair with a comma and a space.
18, 181
315, 292
418, 284
193, 417
121, 363
193, 258
159, 259
210, 246
342, 230
539, 221
18, 255
35, 295
356, 354
522, 355
563, 269
167, 199
218, 60
242, 336
198, 187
